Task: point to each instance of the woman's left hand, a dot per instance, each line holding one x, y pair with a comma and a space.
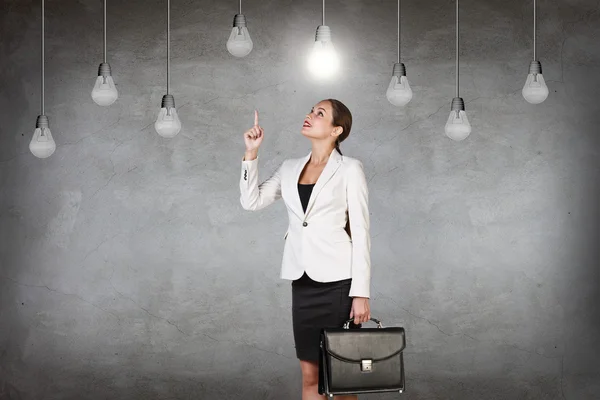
361, 311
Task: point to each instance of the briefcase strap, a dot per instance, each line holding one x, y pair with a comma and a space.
378, 322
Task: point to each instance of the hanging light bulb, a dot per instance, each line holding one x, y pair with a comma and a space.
399, 92
104, 92
458, 126
167, 122
535, 90
323, 61
239, 43
42, 143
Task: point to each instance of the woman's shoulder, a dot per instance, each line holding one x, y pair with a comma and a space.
352, 161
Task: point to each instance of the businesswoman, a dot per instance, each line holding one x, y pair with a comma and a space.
327, 244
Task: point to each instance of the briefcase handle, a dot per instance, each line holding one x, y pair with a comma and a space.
378, 322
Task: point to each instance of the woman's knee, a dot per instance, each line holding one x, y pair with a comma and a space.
310, 373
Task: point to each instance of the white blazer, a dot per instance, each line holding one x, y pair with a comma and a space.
316, 242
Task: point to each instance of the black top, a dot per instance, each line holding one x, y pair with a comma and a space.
304, 190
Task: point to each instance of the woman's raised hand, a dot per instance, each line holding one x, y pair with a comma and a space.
253, 137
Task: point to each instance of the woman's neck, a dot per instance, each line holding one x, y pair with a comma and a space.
320, 154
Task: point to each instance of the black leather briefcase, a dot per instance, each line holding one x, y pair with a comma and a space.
365, 360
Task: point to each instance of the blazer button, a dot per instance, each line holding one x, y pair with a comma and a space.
304, 223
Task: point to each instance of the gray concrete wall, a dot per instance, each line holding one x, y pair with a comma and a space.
130, 271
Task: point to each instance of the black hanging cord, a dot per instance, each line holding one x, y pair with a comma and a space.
534, 30
105, 31
398, 31
457, 49
168, 44
43, 57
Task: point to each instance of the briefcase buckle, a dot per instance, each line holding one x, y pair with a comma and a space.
366, 365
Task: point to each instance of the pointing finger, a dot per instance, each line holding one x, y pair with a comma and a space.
255, 117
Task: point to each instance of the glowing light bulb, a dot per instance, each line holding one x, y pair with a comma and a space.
42, 144
104, 92
239, 43
323, 61
167, 123
458, 127
535, 90
399, 92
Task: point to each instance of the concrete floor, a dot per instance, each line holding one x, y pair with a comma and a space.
129, 270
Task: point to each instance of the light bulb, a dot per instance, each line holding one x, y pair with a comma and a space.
535, 90
239, 43
399, 92
104, 92
167, 123
458, 127
323, 61
42, 143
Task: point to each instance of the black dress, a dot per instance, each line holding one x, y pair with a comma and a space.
316, 305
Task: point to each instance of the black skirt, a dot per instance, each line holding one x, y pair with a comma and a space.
317, 305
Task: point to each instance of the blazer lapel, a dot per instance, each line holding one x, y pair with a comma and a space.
333, 163
296, 198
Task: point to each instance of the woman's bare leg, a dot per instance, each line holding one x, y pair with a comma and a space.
310, 382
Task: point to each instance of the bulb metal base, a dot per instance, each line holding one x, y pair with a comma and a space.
399, 70
239, 21
323, 34
168, 101
42, 122
104, 69
458, 104
535, 67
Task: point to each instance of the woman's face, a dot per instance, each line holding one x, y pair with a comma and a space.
318, 124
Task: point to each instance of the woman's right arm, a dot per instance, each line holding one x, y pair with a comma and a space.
256, 196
